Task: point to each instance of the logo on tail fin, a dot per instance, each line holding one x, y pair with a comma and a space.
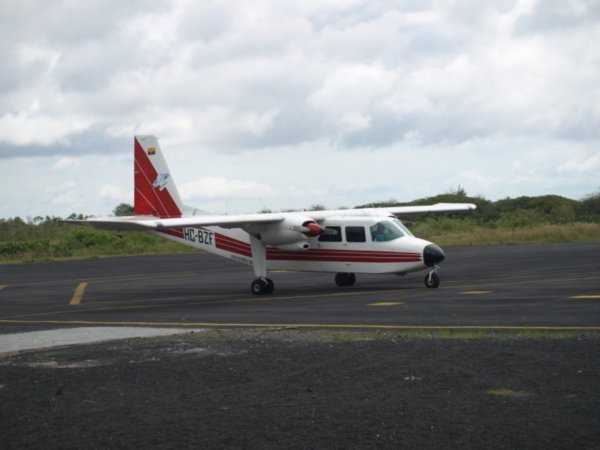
161, 181
151, 150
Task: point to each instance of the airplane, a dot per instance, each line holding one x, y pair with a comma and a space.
344, 242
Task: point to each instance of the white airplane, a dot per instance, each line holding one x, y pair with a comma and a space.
344, 242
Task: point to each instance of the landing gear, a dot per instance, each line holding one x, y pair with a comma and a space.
262, 286
345, 279
432, 279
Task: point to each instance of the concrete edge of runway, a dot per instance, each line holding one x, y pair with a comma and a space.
36, 340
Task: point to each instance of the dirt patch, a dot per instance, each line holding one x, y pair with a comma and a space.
307, 389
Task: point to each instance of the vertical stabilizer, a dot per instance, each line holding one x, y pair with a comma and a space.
155, 191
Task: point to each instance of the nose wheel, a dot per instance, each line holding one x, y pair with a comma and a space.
432, 279
262, 286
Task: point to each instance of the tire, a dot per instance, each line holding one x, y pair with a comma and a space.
270, 286
345, 279
351, 279
435, 280
258, 287
262, 286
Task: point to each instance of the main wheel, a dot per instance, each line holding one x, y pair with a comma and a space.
262, 286
345, 279
270, 286
258, 286
432, 282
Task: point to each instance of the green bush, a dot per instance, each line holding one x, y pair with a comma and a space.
89, 237
548, 218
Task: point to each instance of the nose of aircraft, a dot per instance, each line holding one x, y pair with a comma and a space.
432, 255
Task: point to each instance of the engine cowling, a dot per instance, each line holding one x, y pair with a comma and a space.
292, 230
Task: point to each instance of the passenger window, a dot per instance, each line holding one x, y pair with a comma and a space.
355, 234
331, 234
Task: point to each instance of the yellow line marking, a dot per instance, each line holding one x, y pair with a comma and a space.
585, 297
112, 279
507, 393
76, 300
2, 286
386, 303
476, 292
519, 280
308, 325
255, 298
172, 302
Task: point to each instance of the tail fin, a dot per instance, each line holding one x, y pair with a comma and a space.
155, 191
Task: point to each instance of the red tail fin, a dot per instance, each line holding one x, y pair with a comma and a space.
155, 191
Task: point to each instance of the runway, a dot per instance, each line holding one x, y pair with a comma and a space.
550, 286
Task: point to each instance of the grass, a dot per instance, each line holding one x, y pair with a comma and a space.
63, 241
86, 243
577, 232
352, 336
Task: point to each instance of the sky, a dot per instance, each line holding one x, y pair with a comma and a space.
283, 105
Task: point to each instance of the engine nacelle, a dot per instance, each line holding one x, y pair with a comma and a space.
295, 247
292, 230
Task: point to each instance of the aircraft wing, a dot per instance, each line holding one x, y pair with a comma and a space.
146, 223
437, 208
396, 210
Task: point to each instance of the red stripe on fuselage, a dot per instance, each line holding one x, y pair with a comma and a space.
232, 245
223, 242
177, 232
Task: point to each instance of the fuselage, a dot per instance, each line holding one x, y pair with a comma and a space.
369, 244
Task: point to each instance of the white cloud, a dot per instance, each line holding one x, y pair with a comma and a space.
113, 192
26, 129
581, 162
65, 162
216, 187
448, 88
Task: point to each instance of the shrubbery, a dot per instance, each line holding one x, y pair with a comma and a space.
548, 218
509, 212
51, 238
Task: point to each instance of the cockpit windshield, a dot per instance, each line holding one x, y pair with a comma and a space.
403, 227
388, 230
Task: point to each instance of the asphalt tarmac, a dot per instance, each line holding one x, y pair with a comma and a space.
552, 286
275, 381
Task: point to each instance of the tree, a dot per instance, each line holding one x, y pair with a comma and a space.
123, 209
460, 191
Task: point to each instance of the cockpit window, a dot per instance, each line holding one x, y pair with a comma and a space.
403, 227
387, 230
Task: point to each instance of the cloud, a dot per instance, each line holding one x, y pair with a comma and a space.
23, 129
65, 162
415, 81
221, 188
354, 73
113, 192
581, 162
